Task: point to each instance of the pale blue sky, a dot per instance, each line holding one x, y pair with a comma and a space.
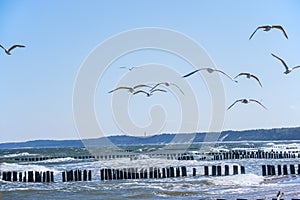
37, 82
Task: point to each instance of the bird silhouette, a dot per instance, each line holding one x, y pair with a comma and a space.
129, 68
268, 28
248, 75
149, 93
287, 69
209, 70
8, 51
279, 195
130, 89
246, 101
167, 84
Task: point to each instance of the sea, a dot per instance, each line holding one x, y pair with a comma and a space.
251, 185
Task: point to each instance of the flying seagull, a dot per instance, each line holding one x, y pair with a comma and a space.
248, 75
287, 69
268, 28
246, 101
129, 68
11, 48
149, 93
209, 70
130, 89
167, 84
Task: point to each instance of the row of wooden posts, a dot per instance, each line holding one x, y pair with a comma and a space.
273, 170
120, 174
243, 155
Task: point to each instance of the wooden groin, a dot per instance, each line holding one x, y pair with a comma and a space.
278, 170
28, 176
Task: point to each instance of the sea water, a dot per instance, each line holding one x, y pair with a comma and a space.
251, 185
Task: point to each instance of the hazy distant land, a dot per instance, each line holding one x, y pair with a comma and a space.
276, 134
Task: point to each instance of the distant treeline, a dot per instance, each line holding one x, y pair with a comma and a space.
247, 135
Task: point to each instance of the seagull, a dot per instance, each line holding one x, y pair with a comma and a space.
129, 68
130, 89
209, 70
248, 75
268, 28
287, 69
11, 48
246, 101
166, 84
279, 195
149, 93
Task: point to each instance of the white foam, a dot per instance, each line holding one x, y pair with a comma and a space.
18, 154
17, 167
241, 180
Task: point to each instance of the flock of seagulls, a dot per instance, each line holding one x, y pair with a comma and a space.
155, 88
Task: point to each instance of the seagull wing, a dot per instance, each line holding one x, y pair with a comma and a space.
2, 47
158, 90
258, 103
217, 70
15, 46
155, 86
286, 67
255, 31
256, 78
282, 30
193, 72
234, 103
141, 85
241, 74
141, 91
295, 67
177, 87
118, 88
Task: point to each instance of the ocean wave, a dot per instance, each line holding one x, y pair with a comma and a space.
18, 154
238, 180
21, 167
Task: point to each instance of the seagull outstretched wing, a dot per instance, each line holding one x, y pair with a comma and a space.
234, 103
284, 64
253, 100
282, 30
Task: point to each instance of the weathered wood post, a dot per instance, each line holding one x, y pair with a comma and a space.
226, 170
20, 176
89, 175
279, 170
264, 170
172, 172
163, 172
30, 176
194, 171
102, 174
38, 176
292, 169
177, 172
235, 169
219, 170
183, 171
243, 170
214, 170
70, 175
206, 171
285, 171
15, 176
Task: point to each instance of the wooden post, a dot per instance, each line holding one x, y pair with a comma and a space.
89, 175
4, 176
70, 175
264, 170
52, 176
20, 176
151, 172
168, 172
76, 175
214, 170
172, 172
38, 176
219, 170
292, 168
243, 170
206, 172
102, 174
285, 171
79, 172
48, 176
177, 172
235, 169
194, 171
163, 172
85, 175
30, 176
279, 170
226, 170
121, 174
183, 171
15, 176
145, 173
